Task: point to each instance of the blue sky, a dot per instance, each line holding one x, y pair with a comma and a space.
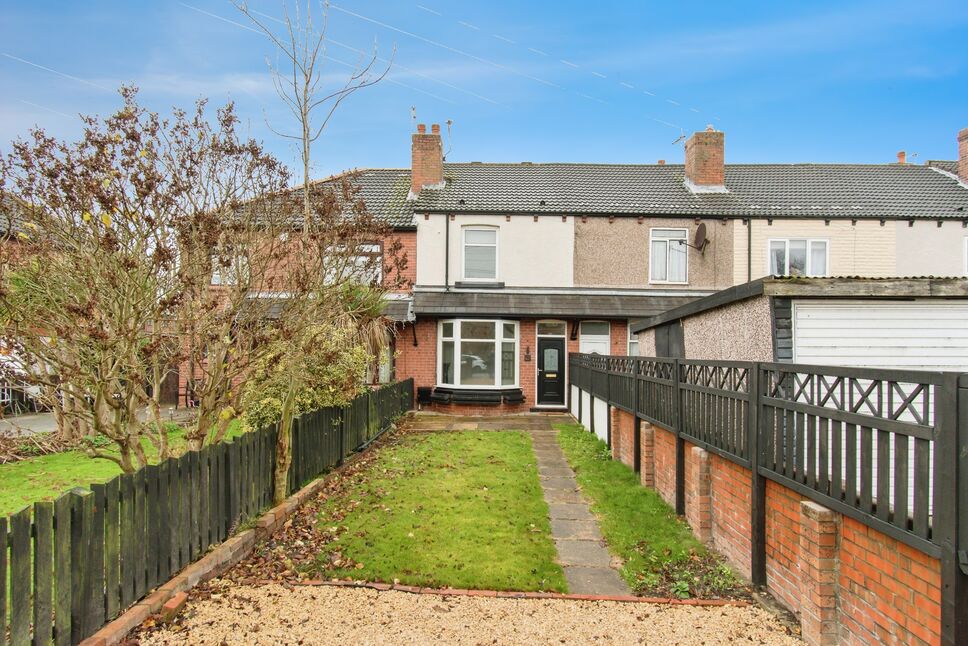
602, 81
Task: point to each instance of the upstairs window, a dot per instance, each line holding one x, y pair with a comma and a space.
480, 253
362, 264
798, 257
230, 271
668, 256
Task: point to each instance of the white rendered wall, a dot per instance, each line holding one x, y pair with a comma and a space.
530, 254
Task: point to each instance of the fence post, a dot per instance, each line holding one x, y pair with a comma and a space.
342, 435
680, 443
637, 424
757, 481
951, 455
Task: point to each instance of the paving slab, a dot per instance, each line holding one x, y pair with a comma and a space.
569, 511
559, 482
572, 551
602, 580
582, 529
563, 495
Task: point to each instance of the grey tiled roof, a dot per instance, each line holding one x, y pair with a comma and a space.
779, 190
949, 165
807, 190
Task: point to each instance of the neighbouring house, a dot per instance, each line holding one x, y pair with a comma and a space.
910, 323
517, 264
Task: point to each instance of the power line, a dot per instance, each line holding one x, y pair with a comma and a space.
53, 71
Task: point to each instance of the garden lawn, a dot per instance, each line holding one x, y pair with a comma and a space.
459, 510
46, 477
662, 557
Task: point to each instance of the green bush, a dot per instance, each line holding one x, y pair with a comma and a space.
332, 375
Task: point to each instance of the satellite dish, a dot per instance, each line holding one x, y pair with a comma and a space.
700, 241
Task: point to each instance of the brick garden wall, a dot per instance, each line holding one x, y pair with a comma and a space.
665, 464
847, 582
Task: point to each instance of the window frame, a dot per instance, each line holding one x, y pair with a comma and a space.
685, 244
463, 251
608, 335
499, 340
786, 253
629, 341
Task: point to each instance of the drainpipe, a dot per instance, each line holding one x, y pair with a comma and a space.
749, 250
447, 252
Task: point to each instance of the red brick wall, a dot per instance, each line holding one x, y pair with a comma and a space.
408, 251
623, 437
886, 586
783, 544
697, 492
665, 464
731, 493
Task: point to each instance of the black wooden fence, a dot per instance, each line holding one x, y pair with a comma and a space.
69, 566
888, 448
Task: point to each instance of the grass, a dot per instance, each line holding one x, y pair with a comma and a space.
46, 477
661, 555
459, 510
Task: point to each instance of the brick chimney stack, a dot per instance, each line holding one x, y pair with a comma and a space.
706, 162
963, 155
901, 157
427, 170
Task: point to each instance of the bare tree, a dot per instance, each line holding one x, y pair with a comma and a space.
298, 80
115, 250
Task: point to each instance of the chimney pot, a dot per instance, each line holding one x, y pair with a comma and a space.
705, 161
901, 157
963, 155
435, 128
661, 162
422, 128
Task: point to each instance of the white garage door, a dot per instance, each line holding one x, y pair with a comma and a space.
919, 335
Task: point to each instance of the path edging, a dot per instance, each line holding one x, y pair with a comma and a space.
217, 562
509, 594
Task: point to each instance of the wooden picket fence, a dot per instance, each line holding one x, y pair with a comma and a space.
69, 566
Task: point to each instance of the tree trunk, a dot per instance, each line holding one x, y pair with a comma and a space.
284, 445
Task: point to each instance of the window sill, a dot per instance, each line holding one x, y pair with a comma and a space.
483, 284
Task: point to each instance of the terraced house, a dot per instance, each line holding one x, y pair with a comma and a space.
514, 265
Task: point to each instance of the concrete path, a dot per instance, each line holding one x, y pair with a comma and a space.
581, 549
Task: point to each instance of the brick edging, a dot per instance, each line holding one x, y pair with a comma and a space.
213, 564
508, 594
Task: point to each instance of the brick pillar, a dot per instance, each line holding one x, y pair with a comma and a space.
616, 421
647, 455
699, 494
819, 528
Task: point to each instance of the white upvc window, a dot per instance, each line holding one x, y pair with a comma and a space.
234, 271
361, 264
594, 337
633, 350
797, 257
477, 353
668, 257
480, 253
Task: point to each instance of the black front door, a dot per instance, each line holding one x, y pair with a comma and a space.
551, 372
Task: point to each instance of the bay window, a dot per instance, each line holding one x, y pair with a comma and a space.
667, 256
477, 353
480, 253
798, 257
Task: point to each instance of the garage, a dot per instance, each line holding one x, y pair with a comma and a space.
920, 334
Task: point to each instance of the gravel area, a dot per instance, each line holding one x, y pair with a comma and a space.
274, 615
